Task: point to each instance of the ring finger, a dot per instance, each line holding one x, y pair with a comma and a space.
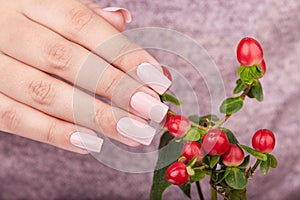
59, 99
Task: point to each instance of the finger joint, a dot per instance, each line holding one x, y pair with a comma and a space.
80, 18
58, 55
41, 92
10, 118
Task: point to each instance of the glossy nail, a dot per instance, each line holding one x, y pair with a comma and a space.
148, 106
86, 141
126, 14
153, 77
136, 130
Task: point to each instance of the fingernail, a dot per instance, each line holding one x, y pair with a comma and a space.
86, 141
136, 130
148, 106
126, 14
153, 77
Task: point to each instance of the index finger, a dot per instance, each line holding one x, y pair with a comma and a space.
79, 24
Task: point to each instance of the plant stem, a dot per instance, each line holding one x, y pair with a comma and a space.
244, 94
170, 112
198, 126
221, 121
199, 190
252, 169
213, 193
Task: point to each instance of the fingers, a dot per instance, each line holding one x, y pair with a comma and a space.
27, 122
77, 23
60, 100
56, 55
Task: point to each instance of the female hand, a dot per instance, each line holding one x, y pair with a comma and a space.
43, 47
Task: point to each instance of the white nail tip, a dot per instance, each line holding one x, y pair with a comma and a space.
125, 12
153, 77
136, 130
86, 141
148, 106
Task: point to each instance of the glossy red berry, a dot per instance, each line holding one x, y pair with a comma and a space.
191, 149
167, 73
178, 126
168, 118
249, 52
263, 141
177, 173
215, 142
263, 66
233, 157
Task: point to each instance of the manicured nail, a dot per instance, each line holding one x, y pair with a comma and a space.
86, 141
148, 106
153, 77
136, 130
126, 14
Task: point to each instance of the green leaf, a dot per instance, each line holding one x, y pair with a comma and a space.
199, 175
273, 161
232, 139
245, 162
256, 91
169, 98
165, 139
249, 74
236, 178
240, 86
213, 161
231, 105
193, 135
169, 151
265, 166
257, 154
222, 176
186, 189
238, 195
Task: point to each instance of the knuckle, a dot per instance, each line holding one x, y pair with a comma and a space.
128, 53
41, 92
80, 18
111, 85
102, 119
58, 55
50, 134
10, 118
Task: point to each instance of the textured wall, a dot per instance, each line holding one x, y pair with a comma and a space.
37, 171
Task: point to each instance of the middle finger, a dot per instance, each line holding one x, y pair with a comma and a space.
56, 55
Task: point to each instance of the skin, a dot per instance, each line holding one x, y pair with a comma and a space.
42, 38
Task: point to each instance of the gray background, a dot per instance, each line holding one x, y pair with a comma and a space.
31, 170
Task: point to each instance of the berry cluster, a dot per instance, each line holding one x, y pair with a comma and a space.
215, 142
208, 148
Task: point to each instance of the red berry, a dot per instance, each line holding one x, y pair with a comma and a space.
168, 118
177, 173
263, 66
233, 157
263, 141
178, 126
249, 52
167, 73
215, 142
191, 149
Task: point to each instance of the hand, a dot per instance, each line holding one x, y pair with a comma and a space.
43, 47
